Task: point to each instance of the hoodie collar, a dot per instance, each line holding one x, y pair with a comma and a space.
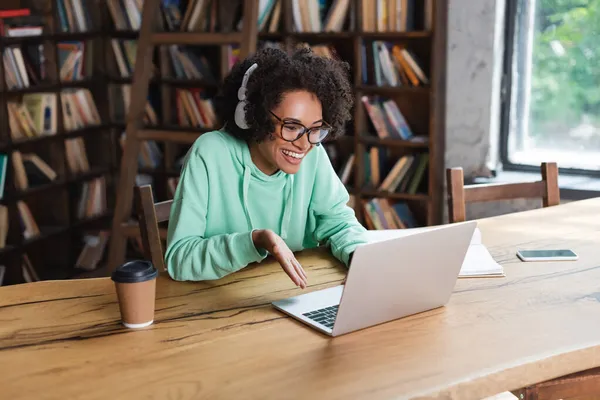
251, 170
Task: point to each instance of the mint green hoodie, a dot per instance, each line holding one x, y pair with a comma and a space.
222, 197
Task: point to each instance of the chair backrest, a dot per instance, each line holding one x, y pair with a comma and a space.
458, 194
150, 214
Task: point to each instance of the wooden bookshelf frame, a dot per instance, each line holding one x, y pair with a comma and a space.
54, 252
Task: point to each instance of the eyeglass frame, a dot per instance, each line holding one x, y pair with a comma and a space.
306, 130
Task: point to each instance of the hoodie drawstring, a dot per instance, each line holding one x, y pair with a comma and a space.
285, 221
245, 185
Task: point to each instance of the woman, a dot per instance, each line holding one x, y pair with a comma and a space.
263, 184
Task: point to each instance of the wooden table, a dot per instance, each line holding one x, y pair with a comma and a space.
223, 340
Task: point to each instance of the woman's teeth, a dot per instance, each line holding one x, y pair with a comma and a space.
292, 154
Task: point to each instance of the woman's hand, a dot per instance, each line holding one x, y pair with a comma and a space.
274, 244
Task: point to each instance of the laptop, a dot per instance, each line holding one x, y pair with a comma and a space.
387, 280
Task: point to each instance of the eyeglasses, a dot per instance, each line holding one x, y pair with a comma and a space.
292, 131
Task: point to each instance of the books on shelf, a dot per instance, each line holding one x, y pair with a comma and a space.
387, 119
76, 154
28, 223
3, 172
93, 250
20, 23
194, 109
388, 15
392, 65
79, 109
404, 175
31, 170
125, 52
383, 214
126, 14
29, 273
318, 16
24, 65
190, 64
74, 15
4, 224
72, 60
269, 15
34, 116
92, 201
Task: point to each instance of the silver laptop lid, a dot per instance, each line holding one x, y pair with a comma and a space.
403, 276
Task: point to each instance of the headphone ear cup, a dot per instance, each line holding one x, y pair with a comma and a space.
240, 115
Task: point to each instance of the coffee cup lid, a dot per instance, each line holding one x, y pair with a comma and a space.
134, 272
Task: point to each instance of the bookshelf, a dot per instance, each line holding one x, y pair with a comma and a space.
421, 30
55, 139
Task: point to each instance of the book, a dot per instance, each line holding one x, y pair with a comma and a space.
478, 262
3, 165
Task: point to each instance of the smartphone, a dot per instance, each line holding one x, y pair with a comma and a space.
547, 255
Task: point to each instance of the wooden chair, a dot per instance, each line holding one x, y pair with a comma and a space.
150, 214
459, 195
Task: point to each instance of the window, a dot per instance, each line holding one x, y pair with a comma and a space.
551, 108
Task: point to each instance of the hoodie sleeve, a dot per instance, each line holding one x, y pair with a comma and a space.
336, 223
190, 256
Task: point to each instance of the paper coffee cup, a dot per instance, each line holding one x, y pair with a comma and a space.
135, 283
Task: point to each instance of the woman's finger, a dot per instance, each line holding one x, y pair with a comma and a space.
299, 269
290, 270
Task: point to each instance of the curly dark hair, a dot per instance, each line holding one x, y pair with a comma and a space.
278, 73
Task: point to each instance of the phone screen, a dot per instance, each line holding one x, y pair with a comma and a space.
546, 253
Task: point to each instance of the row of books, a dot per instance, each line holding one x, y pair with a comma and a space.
93, 250
194, 109
190, 64
3, 172
31, 170
404, 175
392, 65
4, 223
36, 114
92, 201
394, 15
74, 60
74, 15
126, 14
125, 53
318, 16
24, 65
382, 214
197, 16
387, 119
19, 22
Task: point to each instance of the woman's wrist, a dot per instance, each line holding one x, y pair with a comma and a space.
258, 238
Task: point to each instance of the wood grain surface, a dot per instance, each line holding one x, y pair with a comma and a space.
223, 340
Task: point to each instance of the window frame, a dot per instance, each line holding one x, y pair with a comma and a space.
511, 18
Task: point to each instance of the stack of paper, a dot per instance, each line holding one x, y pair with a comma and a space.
478, 260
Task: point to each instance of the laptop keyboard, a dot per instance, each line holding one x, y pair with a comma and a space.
324, 316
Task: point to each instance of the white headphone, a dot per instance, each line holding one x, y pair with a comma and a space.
240, 113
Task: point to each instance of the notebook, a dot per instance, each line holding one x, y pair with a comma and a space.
478, 262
